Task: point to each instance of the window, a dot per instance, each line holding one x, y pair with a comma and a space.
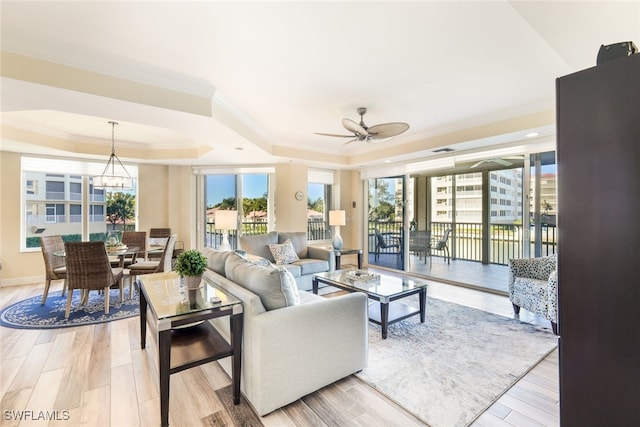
246, 193
58, 207
318, 207
75, 190
319, 203
55, 190
97, 213
55, 213
32, 186
75, 213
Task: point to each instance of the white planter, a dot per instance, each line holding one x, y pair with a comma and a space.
192, 282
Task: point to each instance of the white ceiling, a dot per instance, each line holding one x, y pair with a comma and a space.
276, 72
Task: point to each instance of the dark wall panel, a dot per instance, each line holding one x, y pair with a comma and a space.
598, 152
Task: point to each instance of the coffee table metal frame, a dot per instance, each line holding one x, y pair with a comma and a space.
386, 291
180, 345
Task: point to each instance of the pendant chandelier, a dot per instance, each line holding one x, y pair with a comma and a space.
109, 178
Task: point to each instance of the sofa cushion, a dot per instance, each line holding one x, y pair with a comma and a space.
283, 253
259, 244
216, 259
294, 269
312, 266
298, 239
271, 284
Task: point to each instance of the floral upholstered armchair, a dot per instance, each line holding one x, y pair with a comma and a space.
533, 285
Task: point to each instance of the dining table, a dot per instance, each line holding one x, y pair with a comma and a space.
122, 252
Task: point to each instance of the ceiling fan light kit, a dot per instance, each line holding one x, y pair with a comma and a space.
362, 132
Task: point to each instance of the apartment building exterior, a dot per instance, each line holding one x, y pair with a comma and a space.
54, 202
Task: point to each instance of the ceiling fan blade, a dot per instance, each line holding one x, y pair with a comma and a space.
349, 142
387, 130
502, 162
352, 126
478, 164
333, 134
372, 139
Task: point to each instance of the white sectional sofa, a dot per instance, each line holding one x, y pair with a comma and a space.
311, 259
292, 350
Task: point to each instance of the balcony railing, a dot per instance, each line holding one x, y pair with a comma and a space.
316, 230
465, 242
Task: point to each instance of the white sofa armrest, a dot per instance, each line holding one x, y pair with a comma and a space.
300, 349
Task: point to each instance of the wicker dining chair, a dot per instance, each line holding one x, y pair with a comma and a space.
155, 235
88, 268
148, 267
54, 265
131, 239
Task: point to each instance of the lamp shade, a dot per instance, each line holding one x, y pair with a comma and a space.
226, 220
337, 218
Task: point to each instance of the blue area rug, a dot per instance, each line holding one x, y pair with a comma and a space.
29, 314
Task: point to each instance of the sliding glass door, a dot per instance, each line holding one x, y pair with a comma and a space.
247, 194
543, 204
386, 222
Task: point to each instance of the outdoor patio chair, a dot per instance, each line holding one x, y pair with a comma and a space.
442, 245
88, 268
55, 267
381, 243
150, 266
419, 243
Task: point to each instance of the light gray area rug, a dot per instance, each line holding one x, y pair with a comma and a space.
448, 370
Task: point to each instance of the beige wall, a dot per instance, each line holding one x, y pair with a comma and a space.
291, 214
29, 267
167, 198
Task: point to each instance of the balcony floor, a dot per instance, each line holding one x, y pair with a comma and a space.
489, 277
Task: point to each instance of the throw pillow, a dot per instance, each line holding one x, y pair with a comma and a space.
216, 259
299, 241
290, 283
271, 285
284, 253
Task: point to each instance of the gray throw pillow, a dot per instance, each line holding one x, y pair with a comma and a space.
216, 259
270, 284
299, 241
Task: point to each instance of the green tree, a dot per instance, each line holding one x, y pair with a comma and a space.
121, 207
316, 205
228, 203
381, 201
254, 204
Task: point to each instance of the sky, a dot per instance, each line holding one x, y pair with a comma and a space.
222, 186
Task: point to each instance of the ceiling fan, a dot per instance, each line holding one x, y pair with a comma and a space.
362, 132
504, 161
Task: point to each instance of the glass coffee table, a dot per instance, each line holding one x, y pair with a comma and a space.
384, 288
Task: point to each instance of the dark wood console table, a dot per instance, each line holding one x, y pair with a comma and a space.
178, 320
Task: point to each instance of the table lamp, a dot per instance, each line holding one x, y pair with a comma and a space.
336, 219
225, 221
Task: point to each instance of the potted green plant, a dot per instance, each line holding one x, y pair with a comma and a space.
190, 265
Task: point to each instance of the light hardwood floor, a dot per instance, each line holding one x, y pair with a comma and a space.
98, 376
